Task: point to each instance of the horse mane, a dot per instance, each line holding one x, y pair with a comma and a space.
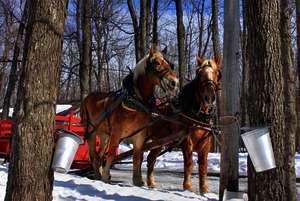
140, 67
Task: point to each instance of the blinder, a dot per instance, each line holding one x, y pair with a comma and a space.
159, 74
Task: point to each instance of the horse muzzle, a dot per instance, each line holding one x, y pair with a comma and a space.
171, 86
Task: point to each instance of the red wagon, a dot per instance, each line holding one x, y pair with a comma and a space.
70, 122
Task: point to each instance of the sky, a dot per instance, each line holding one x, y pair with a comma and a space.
69, 187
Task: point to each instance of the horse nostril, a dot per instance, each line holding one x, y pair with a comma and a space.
206, 98
173, 83
213, 98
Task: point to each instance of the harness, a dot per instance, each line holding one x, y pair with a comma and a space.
193, 111
130, 99
105, 116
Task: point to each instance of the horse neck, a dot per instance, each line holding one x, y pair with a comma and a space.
144, 87
143, 83
188, 98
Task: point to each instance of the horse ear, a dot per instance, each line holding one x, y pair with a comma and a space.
153, 49
219, 60
199, 61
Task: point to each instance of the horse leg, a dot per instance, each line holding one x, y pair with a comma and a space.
151, 159
91, 141
103, 146
113, 145
187, 150
138, 142
202, 151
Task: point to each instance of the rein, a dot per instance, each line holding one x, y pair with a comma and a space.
104, 116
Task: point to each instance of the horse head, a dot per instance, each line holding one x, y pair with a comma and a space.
207, 78
157, 71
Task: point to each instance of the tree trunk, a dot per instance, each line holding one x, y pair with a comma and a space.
230, 97
143, 27
13, 77
148, 25
215, 27
245, 75
289, 101
201, 27
154, 32
216, 47
86, 48
266, 103
8, 47
180, 39
137, 34
30, 176
298, 73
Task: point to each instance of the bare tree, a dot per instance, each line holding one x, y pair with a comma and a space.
180, 39
13, 77
298, 71
86, 48
230, 97
30, 176
289, 99
155, 19
215, 27
139, 29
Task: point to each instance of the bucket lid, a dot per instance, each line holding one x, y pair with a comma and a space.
62, 132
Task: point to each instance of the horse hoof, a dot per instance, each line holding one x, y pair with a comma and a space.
152, 185
204, 190
139, 183
189, 188
106, 179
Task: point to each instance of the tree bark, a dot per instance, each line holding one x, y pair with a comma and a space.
86, 48
143, 23
266, 103
180, 39
30, 176
298, 72
7, 49
230, 97
148, 25
137, 32
13, 77
245, 75
201, 27
154, 31
289, 101
215, 27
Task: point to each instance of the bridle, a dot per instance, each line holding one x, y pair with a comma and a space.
209, 81
159, 74
201, 114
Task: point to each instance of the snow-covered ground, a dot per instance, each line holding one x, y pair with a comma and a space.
71, 187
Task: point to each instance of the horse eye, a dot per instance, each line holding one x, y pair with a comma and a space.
172, 66
155, 63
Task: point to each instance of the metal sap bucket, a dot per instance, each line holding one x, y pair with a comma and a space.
234, 196
65, 150
259, 146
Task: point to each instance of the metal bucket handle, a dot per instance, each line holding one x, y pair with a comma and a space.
62, 131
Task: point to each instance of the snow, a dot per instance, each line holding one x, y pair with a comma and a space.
72, 187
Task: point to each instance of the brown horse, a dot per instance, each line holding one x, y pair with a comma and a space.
113, 117
196, 100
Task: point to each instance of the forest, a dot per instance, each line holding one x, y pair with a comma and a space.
59, 51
